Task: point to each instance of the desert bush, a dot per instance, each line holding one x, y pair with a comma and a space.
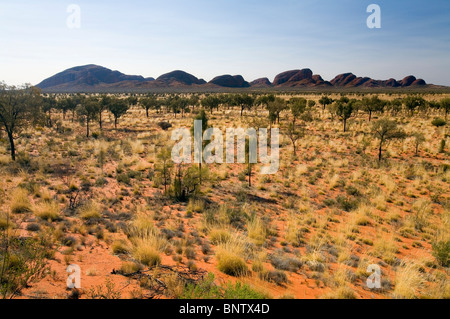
438, 122
441, 251
276, 276
207, 289
164, 125
109, 291
284, 262
34, 227
22, 261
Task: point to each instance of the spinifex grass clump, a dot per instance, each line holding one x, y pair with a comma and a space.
19, 202
231, 257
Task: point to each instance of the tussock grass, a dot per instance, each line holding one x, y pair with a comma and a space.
408, 281
257, 231
385, 249
340, 293
90, 210
120, 247
195, 206
231, 257
20, 202
47, 210
219, 236
148, 247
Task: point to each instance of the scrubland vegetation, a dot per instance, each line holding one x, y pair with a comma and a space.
88, 179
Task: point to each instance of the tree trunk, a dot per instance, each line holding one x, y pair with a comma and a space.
249, 173
100, 122
115, 123
50, 124
345, 125
87, 128
146, 112
370, 116
13, 148
380, 151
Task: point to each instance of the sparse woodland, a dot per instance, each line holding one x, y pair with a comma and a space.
88, 179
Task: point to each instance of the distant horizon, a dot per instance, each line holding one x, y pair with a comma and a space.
251, 38
271, 79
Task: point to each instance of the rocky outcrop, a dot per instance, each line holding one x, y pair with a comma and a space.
230, 81
262, 82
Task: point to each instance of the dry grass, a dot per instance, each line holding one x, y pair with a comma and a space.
231, 256
257, 231
20, 202
47, 210
408, 281
148, 246
90, 210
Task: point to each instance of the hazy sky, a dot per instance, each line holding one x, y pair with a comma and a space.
255, 38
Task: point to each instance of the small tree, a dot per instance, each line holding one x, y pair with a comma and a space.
373, 104
19, 108
164, 166
386, 130
414, 102
185, 183
148, 103
265, 100
298, 107
294, 134
66, 104
211, 102
88, 111
311, 104
419, 138
395, 106
275, 107
118, 108
103, 105
49, 104
344, 110
244, 101
248, 161
325, 101
445, 104
184, 105
194, 101
200, 117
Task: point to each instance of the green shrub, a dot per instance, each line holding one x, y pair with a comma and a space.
207, 289
438, 122
441, 251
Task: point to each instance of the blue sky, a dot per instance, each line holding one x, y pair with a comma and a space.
255, 38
